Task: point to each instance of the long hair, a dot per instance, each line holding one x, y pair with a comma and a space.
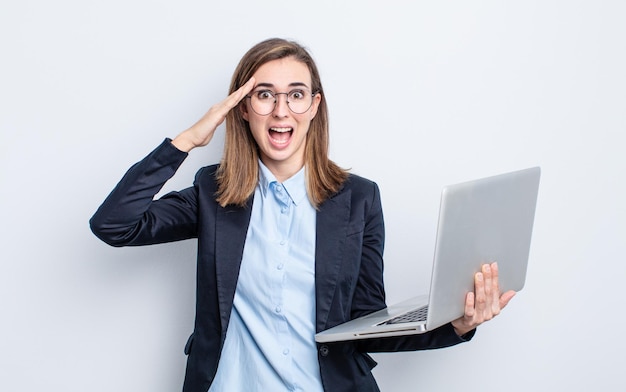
238, 173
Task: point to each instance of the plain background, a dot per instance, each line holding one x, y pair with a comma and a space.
421, 94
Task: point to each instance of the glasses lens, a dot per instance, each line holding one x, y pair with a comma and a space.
262, 102
299, 101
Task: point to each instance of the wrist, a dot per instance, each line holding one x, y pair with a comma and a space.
460, 332
460, 329
183, 143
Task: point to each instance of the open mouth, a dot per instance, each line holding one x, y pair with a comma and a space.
280, 135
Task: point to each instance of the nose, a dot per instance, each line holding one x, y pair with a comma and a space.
281, 107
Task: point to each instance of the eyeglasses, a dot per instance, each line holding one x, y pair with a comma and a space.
263, 102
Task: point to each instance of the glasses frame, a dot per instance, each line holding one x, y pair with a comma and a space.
275, 95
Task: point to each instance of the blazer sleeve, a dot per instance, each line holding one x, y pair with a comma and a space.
130, 216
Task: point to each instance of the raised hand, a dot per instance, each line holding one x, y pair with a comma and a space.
201, 133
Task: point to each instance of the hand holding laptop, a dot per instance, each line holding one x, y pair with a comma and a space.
485, 302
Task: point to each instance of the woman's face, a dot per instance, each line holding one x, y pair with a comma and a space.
281, 134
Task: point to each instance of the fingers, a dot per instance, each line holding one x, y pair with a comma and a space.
487, 293
485, 302
492, 287
479, 293
484, 298
506, 297
233, 99
221, 109
487, 272
247, 87
470, 304
201, 133
488, 282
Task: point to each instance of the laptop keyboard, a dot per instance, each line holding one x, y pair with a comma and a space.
409, 317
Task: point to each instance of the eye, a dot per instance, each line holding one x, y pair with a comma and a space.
264, 95
296, 95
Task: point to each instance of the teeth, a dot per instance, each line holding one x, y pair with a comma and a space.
281, 130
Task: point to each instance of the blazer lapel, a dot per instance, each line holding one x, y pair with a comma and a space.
332, 224
230, 236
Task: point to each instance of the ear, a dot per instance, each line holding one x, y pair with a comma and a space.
316, 104
243, 109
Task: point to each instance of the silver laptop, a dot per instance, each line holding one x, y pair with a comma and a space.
480, 221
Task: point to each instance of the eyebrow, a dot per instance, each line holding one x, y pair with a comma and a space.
293, 84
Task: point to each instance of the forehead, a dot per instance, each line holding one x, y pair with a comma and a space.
283, 73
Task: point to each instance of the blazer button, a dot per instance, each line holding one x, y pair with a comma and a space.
324, 350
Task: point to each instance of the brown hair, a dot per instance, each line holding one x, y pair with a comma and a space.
239, 170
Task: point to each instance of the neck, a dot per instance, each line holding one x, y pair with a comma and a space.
283, 171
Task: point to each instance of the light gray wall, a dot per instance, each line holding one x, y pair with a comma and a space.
422, 94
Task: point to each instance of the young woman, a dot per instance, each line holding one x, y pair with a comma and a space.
289, 244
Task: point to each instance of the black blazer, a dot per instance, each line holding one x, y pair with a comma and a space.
348, 263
